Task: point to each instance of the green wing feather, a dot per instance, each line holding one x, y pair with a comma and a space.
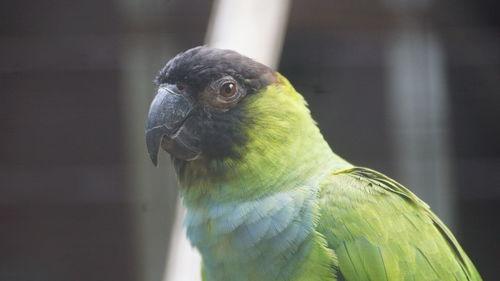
379, 231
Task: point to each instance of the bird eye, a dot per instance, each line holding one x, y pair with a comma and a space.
228, 89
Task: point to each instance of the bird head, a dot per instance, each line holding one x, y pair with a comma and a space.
200, 105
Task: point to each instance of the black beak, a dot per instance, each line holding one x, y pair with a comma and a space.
167, 114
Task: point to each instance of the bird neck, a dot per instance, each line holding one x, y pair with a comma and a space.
284, 150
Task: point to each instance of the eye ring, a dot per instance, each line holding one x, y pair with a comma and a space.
228, 89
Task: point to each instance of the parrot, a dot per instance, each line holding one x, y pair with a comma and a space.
266, 197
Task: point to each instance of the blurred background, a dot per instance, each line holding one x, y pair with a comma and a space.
409, 88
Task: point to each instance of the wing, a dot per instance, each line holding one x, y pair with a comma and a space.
379, 231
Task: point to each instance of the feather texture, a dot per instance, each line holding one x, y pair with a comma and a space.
382, 231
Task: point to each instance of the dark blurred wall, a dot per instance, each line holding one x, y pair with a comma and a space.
63, 214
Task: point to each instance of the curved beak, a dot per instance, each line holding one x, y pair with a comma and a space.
167, 113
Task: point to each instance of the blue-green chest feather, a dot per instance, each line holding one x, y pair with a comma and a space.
253, 240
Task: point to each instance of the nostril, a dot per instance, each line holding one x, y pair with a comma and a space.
180, 86
167, 143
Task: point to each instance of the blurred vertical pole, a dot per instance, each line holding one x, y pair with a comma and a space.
153, 192
418, 108
255, 28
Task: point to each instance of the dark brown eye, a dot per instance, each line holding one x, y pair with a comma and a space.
228, 89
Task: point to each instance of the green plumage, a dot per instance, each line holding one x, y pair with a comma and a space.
284, 207
381, 231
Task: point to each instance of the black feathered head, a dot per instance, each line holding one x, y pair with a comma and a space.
199, 106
